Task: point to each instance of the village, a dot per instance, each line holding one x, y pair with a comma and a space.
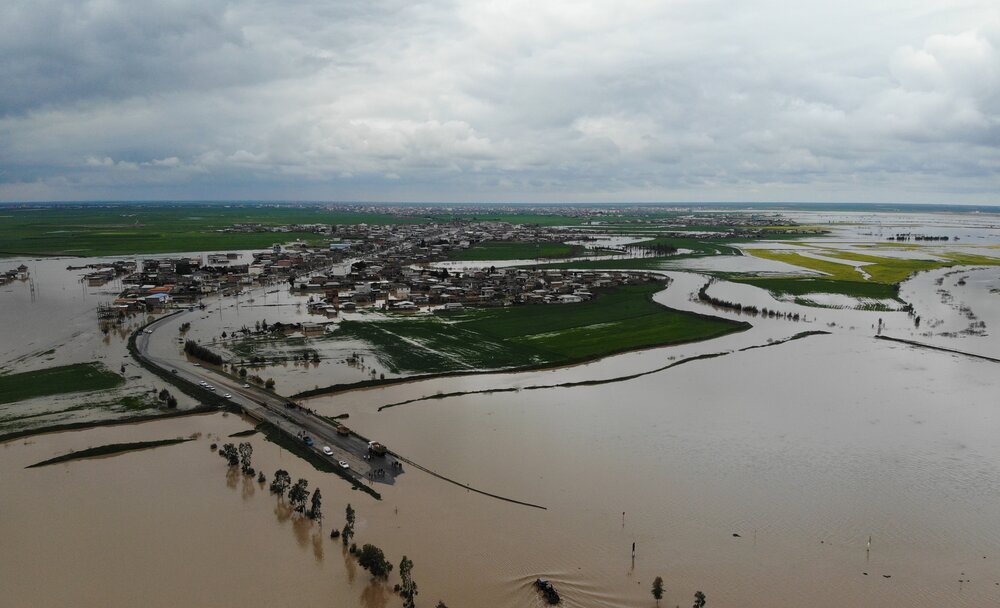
389, 267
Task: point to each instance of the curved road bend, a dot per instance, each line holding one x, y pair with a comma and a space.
263, 405
270, 408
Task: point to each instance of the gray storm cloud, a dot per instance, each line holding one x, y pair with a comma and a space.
533, 101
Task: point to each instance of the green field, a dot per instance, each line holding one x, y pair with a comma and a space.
76, 378
158, 228
617, 320
509, 250
478, 215
699, 247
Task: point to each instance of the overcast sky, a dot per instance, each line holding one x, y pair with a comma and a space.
534, 100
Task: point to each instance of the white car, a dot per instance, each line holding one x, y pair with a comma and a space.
344, 465
210, 387
246, 386
203, 383
228, 396
327, 450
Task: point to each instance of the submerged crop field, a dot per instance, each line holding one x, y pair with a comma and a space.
615, 321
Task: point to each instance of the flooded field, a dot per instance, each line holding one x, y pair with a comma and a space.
757, 475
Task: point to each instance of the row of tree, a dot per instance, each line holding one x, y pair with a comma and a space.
240, 456
198, 351
745, 309
298, 494
653, 247
659, 590
369, 557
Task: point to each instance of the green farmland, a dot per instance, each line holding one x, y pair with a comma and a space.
131, 229
76, 378
508, 250
619, 320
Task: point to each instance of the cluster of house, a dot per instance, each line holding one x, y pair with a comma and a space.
164, 282
105, 272
15, 274
395, 287
392, 270
253, 227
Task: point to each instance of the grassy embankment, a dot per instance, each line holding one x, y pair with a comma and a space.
885, 273
510, 250
91, 424
76, 378
108, 450
160, 228
616, 321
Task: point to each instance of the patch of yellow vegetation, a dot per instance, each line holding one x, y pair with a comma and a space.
881, 269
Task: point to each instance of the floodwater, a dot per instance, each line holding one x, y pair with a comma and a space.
757, 476
803, 449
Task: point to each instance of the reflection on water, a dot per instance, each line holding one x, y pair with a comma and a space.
376, 595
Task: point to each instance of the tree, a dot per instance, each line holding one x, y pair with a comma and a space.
348, 531
246, 453
658, 589
269, 384
298, 494
699, 599
164, 394
282, 480
315, 506
171, 401
441, 604
373, 560
230, 453
409, 588
243, 372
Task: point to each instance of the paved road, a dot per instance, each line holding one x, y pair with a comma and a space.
167, 355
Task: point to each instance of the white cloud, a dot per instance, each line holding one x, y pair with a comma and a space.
580, 100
